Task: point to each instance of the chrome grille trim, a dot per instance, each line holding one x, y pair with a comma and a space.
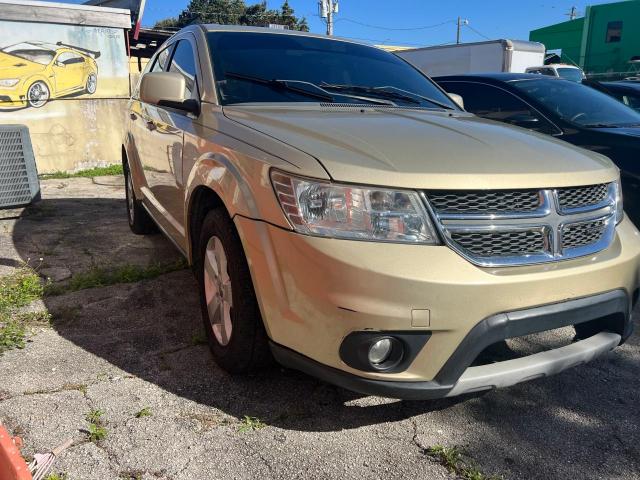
588, 228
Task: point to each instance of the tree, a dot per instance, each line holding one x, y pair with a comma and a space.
235, 12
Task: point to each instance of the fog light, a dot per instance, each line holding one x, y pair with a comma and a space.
380, 351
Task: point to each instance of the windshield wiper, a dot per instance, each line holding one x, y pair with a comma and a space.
601, 125
303, 88
387, 92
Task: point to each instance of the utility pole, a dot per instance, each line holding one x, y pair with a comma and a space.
461, 22
327, 10
573, 14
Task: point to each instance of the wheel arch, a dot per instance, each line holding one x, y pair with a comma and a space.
214, 181
39, 78
202, 200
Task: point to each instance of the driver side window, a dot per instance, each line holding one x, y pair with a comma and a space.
494, 103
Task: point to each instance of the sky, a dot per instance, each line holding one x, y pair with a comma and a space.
415, 22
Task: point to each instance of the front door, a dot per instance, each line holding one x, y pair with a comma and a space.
68, 70
161, 153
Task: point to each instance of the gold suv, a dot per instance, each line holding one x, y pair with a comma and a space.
344, 215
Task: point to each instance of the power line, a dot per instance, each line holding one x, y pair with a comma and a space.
407, 29
477, 32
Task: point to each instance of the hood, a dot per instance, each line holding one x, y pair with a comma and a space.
425, 149
16, 67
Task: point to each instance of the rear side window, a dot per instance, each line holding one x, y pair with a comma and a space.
494, 103
183, 62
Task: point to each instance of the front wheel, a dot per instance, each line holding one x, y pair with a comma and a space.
232, 320
38, 94
92, 84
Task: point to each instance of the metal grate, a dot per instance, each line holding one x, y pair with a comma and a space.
581, 234
501, 244
578, 197
480, 202
18, 175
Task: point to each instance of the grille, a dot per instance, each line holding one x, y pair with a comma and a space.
581, 234
485, 202
18, 175
500, 244
522, 227
582, 196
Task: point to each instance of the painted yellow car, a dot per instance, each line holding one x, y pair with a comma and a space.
32, 73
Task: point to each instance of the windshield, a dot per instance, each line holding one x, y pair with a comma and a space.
254, 60
573, 74
30, 52
577, 103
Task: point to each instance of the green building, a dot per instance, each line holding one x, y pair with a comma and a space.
604, 43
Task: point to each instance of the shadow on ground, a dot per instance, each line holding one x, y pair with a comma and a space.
583, 423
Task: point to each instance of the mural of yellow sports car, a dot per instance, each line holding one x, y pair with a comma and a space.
32, 73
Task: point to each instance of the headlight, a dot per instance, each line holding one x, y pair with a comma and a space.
619, 206
326, 209
9, 82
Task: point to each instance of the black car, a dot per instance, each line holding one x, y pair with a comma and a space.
567, 110
626, 92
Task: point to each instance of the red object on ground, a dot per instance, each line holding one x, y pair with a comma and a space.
12, 465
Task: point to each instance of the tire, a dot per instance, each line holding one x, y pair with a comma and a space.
232, 321
92, 84
38, 94
140, 221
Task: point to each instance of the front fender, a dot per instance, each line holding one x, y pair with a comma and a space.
217, 172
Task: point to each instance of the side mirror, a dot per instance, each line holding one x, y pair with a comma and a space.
166, 89
457, 98
60, 64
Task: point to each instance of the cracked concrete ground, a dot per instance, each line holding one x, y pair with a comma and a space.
124, 348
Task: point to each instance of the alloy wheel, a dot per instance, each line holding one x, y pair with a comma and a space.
218, 292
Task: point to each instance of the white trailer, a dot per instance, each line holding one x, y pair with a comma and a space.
481, 57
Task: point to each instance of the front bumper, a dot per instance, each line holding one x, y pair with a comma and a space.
313, 292
458, 377
11, 98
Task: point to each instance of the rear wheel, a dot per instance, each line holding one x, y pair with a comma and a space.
92, 84
232, 320
140, 221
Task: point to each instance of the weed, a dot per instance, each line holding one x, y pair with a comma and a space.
131, 475
57, 476
19, 289
12, 335
94, 416
80, 387
91, 172
453, 459
96, 432
102, 276
145, 412
249, 424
